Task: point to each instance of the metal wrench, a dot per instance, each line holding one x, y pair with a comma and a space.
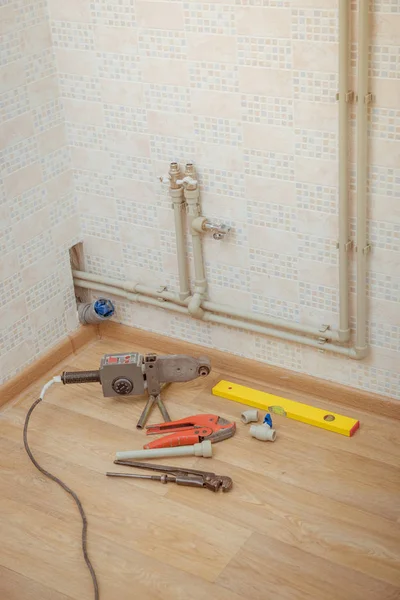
178, 475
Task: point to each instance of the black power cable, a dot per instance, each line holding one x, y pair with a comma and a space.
69, 491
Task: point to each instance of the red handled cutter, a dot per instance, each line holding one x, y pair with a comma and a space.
191, 430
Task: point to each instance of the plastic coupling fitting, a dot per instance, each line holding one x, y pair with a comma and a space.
194, 306
249, 416
198, 224
263, 433
95, 312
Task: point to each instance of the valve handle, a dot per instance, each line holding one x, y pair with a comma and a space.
187, 180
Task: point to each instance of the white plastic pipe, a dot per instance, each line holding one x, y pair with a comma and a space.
273, 321
100, 287
343, 242
283, 335
130, 287
178, 202
362, 175
192, 200
207, 305
203, 449
219, 319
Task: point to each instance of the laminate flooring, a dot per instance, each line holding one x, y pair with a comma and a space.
313, 516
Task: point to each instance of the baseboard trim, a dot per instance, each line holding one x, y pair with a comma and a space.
252, 372
248, 371
70, 345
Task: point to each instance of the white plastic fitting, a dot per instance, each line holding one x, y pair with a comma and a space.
194, 306
263, 433
203, 449
187, 181
198, 224
249, 416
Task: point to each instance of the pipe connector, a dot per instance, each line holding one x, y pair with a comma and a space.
192, 198
263, 433
249, 416
174, 174
95, 312
177, 195
360, 353
194, 306
199, 225
343, 335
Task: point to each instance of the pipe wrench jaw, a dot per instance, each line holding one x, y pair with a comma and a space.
218, 482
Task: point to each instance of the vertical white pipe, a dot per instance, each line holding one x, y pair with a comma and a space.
362, 173
344, 329
183, 271
200, 286
191, 193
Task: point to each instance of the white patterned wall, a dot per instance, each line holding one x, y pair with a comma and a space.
38, 210
246, 90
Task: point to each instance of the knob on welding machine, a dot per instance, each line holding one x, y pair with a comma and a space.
132, 374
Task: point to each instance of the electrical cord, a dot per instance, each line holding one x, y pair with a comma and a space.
63, 485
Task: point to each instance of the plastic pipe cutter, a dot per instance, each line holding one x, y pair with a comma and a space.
134, 374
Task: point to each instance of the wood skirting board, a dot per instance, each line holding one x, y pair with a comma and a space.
35, 371
250, 372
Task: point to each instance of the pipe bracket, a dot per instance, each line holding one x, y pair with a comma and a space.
347, 246
160, 290
367, 249
348, 97
368, 98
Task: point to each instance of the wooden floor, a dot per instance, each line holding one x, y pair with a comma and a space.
313, 516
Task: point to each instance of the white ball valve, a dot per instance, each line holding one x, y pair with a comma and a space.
263, 433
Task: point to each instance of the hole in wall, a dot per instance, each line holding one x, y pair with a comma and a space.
77, 263
77, 257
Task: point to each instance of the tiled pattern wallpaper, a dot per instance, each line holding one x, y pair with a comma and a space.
246, 89
38, 208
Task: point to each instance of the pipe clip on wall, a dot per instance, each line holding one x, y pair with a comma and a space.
184, 191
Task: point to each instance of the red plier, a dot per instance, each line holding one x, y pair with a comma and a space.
191, 430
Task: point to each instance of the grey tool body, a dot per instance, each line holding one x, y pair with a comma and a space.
134, 374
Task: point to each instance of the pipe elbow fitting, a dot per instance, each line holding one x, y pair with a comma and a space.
343, 335
194, 306
360, 353
249, 416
